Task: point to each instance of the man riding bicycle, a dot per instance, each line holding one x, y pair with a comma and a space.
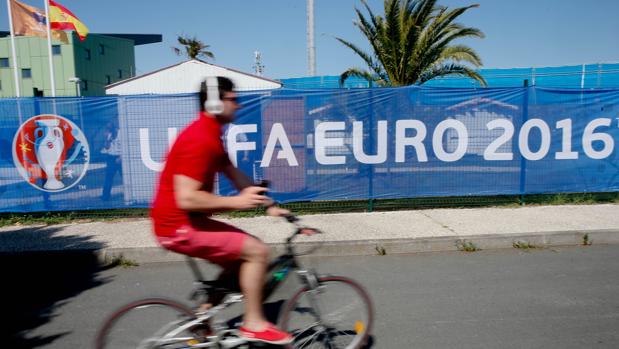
184, 203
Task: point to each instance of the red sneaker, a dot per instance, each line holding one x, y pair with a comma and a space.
270, 334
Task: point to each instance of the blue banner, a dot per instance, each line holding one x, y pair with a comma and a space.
318, 144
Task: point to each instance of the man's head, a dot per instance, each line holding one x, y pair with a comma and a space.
223, 89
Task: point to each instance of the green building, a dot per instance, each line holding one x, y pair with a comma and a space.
80, 67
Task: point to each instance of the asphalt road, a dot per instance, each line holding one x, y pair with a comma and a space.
551, 298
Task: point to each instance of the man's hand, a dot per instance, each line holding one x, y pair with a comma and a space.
252, 197
275, 211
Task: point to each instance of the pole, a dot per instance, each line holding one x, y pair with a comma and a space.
582, 77
311, 48
523, 161
15, 74
49, 49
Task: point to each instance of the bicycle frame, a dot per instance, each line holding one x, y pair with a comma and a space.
277, 272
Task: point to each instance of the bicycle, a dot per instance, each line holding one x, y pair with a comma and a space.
314, 315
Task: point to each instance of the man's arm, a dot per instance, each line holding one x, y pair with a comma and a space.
190, 197
238, 178
241, 181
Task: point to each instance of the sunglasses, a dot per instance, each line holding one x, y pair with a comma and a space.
231, 99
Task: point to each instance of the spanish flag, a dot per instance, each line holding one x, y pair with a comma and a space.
62, 19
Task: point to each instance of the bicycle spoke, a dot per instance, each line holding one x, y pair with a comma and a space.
310, 340
334, 336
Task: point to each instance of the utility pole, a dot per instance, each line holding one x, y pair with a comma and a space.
311, 48
258, 66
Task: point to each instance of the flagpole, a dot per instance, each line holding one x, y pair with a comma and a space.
15, 74
49, 48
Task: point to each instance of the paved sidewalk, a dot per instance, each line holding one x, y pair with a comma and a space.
347, 233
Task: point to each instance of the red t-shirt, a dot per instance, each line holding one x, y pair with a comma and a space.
198, 153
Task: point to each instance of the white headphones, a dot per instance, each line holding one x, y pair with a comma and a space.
213, 104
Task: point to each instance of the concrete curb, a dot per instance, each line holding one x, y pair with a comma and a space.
391, 246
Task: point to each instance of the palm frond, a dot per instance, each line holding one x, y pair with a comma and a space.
413, 41
460, 53
192, 47
451, 69
360, 73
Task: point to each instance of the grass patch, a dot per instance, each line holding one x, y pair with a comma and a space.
320, 207
61, 217
523, 245
466, 246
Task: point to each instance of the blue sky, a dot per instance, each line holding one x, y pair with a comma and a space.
523, 33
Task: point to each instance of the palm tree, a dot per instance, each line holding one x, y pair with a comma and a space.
192, 48
413, 44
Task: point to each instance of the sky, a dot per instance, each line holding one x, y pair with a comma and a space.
519, 33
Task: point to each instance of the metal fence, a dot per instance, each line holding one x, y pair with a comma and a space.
598, 75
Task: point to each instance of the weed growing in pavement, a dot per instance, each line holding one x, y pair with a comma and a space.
586, 241
523, 245
121, 261
381, 250
466, 246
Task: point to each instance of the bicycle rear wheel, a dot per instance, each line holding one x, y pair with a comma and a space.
339, 314
143, 324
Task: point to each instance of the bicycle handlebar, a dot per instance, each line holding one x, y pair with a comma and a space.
292, 219
300, 230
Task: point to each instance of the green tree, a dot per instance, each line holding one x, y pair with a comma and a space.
413, 43
192, 48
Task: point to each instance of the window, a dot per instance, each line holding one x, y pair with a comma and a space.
26, 73
120, 73
84, 85
87, 54
0, 85
56, 50
4, 62
108, 79
101, 49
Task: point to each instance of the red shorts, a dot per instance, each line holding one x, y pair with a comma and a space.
215, 241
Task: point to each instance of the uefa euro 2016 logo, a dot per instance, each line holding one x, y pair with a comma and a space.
50, 152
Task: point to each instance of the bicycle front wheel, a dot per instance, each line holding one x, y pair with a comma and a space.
147, 324
338, 314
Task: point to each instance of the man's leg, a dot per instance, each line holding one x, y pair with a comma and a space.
229, 278
223, 246
255, 258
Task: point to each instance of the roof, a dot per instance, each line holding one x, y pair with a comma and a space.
138, 39
190, 60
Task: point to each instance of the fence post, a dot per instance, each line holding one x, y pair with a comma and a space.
523, 162
371, 146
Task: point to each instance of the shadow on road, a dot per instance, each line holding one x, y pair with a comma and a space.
36, 284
